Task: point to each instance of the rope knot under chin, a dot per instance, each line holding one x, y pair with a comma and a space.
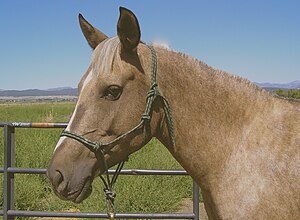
109, 195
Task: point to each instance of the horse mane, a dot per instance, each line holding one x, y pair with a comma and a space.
226, 75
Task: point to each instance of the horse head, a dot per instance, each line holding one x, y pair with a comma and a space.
112, 99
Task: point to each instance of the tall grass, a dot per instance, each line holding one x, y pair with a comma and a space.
34, 148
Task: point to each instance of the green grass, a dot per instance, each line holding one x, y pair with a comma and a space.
34, 148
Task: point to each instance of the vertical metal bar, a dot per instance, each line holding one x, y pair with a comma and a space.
8, 191
196, 200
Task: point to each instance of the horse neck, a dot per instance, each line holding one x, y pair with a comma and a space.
210, 110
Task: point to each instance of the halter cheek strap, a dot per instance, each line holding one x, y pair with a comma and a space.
103, 148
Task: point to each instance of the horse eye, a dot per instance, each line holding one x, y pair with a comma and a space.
112, 93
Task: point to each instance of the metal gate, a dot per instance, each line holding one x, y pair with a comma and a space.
9, 171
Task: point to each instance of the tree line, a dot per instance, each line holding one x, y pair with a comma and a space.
288, 93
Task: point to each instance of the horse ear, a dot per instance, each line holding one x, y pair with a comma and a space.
128, 30
91, 34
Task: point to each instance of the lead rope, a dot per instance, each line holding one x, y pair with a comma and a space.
109, 191
109, 186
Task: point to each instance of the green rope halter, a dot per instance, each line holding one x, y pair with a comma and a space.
103, 148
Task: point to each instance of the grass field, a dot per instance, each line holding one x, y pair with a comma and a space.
34, 148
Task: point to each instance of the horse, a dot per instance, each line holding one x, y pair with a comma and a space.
240, 143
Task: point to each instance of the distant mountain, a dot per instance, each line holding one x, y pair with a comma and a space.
291, 85
66, 91
59, 88
69, 91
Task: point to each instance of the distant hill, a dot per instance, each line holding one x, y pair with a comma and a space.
62, 91
59, 88
291, 85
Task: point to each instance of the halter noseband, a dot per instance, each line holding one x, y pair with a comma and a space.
104, 148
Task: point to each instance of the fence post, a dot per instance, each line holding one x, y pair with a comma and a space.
196, 200
8, 191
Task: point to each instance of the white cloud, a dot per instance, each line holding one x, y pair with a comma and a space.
161, 43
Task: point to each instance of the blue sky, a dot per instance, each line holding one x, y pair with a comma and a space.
42, 45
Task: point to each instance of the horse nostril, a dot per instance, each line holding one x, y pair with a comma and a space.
59, 184
57, 178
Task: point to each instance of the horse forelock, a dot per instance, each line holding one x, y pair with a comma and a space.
104, 55
102, 59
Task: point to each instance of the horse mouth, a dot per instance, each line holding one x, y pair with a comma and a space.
80, 195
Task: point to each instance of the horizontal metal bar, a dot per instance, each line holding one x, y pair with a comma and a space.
99, 215
123, 172
34, 124
26, 170
150, 172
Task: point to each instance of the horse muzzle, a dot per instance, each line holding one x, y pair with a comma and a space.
62, 187
71, 175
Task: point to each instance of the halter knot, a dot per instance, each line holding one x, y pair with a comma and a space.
98, 146
110, 195
145, 117
153, 86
